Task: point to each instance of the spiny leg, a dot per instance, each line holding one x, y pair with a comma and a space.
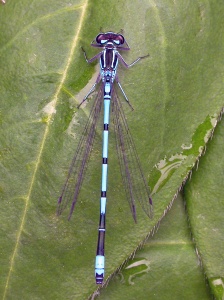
90, 91
91, 59
133, 63
125, 96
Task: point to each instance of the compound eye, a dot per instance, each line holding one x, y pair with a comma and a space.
104, 38
119, 39
101, 39
116, 42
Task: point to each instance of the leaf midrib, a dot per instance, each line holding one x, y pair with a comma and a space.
54, 100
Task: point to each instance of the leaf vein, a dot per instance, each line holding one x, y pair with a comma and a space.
55, 98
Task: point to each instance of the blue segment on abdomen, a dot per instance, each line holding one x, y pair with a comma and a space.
99, 264
104, 177
103, 201
105, 143
106, 111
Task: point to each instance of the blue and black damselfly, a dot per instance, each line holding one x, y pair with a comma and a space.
134, 181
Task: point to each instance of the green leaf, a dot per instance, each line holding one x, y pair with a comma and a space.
166, 266
177, 94
204, 194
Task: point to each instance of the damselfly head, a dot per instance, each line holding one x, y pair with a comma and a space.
109, 37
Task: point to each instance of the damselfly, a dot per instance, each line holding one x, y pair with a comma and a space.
134, 181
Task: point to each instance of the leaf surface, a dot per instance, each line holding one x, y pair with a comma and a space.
177, 94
